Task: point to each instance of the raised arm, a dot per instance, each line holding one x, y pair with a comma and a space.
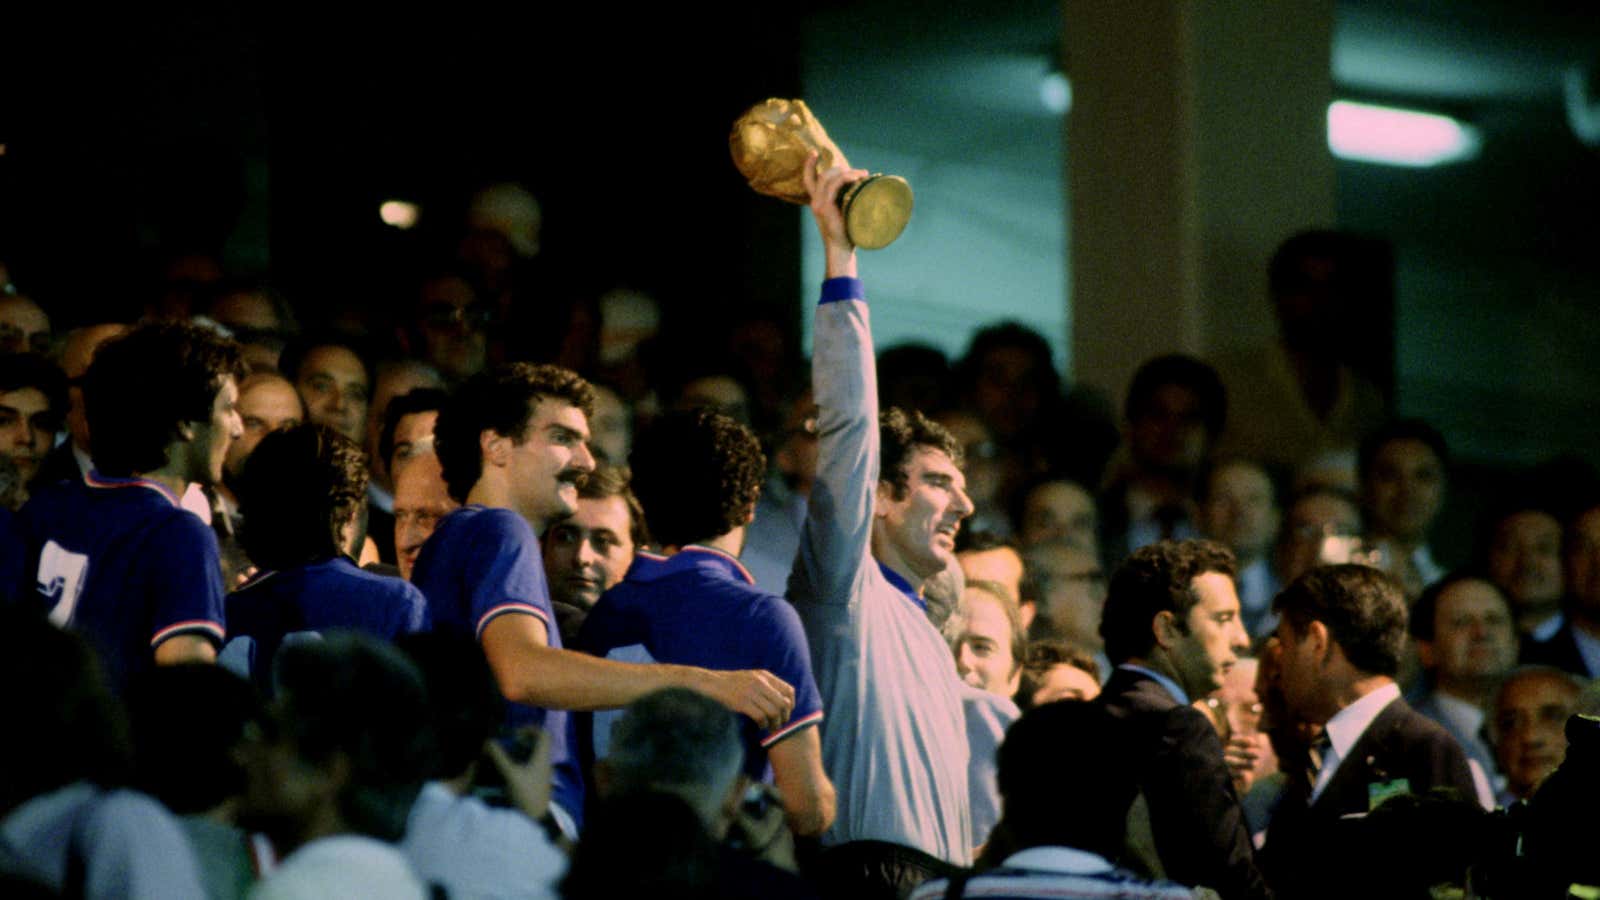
838, 528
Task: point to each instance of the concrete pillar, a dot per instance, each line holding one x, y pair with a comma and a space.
1195, 144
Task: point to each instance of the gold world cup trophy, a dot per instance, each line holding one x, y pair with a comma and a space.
770, 143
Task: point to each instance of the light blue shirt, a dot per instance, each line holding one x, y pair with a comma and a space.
473, 850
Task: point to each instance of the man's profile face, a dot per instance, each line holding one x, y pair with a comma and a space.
333, 383
208, 451
267, 405
1404, 489
587, 553
920, 528
1215, 636
26, 428
1525, 558
1472, 634
421, 499
549, 462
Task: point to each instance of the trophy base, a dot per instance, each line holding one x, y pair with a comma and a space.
876, 210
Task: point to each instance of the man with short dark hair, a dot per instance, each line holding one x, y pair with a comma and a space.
588, 552
1467, 643
1575, 646
301, 493
114, 556
1523, 558
1341, 633
887, 503
512, 443
1403, 470
33, 400
1174, 410
335, 381
1172, 629
698, 474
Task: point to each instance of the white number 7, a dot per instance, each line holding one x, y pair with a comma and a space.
61, 575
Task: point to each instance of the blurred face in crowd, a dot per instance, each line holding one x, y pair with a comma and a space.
1060, 511
333, 383
1240, 510
1238, 708
720, 393
1065, 682
1006, 393
1404, 490
979, 453
267, 403
1001, 565
796, 453
75, 357
1211, 637
611, 428
1313, 518
915, 534
413, 437
1072, 594
394, 380
1583, 565
421, 499
1169, 434
24, 327
587, 553
1525, 560
1528, 725
254, 321
1474, 640
453, 325
985, 648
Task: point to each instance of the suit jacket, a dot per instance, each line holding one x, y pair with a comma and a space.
1175, 758
1561, 651
1305, 844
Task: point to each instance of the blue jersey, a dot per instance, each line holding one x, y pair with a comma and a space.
700, 607
481, 563
119, 561
274, 607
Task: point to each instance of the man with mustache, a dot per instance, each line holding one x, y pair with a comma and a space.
882, 519
1172, 628
513, 446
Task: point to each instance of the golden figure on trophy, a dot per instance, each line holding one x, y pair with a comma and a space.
770, 144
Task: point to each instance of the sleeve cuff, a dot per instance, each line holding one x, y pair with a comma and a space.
793, 726
845, 288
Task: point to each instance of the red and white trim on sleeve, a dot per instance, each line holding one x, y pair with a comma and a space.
212, 629
502, 609
791, 728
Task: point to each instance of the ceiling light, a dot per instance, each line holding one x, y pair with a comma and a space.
1398, 137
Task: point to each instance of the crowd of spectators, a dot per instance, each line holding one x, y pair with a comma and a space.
501, 597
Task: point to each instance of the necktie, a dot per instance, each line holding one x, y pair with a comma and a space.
1316, 755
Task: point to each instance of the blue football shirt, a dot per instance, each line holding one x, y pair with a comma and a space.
275, 607
119, 561
481, 563
700, 607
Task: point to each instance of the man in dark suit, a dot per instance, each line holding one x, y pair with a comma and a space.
1340, 636
1576, 646
1172, 628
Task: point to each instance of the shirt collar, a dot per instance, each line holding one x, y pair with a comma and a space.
903, 586
1588, 648
1066, 860
96, 480
701, 555
1178, 693
1348, 724
1466, 716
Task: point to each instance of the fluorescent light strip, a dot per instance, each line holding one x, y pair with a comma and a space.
1398, 137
